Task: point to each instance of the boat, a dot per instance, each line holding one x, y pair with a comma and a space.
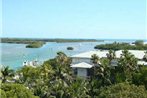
33, 63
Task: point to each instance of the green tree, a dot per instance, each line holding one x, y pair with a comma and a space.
111, 56
127, 65
95, 59
2, 94
140, 78
29, 76
122, 90
78, 89
139, 42
16, 91
7, 73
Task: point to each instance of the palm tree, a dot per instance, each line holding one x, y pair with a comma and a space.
102, 71
61, 58
63, 63
111, 56
78, 89
95, 59
6, 73
127, 64
46, 71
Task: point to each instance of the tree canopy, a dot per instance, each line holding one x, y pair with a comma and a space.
10, 90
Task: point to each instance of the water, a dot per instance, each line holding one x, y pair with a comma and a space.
13, 55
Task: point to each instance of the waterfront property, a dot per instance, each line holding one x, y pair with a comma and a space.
82, 62
82, 69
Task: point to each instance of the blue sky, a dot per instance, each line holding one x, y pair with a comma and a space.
100, 19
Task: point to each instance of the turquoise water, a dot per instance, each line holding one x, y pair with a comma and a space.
13, 55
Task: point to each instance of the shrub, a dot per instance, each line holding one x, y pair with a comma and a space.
16, 91
123, 90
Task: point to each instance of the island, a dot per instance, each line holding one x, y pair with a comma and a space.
35, 44
137, 45
39, 42
70, 48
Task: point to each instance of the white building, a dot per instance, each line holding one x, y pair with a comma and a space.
82, 62
82, 69
86, 56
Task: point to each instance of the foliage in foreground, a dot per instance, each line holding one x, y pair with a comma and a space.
55, 79
12, 90
123, 90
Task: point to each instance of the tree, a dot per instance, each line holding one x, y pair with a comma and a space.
140, 78
6, 73
78, 89
139, 42
102, 71
46, 71
29, 76
61, 58
111, 56
127, 65
16, 91
95, 59
2, 94
123, 90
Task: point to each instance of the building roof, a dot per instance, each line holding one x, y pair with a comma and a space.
137, 53
82, 65
142, 63
90, 53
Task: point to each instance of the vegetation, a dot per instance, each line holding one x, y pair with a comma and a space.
138, 42
122, 46
55, 79
123, 90
6, 73
70, 48
12, 90
28, 41
35, 44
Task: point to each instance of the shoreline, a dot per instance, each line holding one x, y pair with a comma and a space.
29, 40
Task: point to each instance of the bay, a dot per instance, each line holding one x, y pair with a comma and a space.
13, 55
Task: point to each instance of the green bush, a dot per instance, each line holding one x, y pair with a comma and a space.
35, 45
123, 90
138, 42
16, 91
121, 46
140, 78
2, 94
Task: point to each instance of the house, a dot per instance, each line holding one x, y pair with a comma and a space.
86, 56
82, 69
81, 63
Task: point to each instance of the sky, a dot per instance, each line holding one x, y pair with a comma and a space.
98, 19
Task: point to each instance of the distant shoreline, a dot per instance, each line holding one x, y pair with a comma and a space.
31, 40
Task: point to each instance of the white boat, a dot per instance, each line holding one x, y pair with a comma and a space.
33, 63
